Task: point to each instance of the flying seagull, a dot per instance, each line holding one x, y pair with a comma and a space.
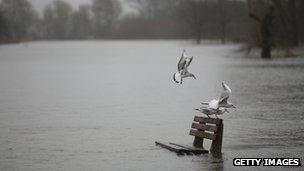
209, 111
222, 101
182, 68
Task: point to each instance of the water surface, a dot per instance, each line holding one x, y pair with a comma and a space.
100, 105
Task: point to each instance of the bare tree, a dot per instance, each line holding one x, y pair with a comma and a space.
294, 41
105, 14
154, 9
265, 24
57, 19
192, 14
81, 22
19, 16
147, 8
286, 15
222, 20
300, 23
3, 27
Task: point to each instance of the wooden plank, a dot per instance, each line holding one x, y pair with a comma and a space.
198, 141
204, 127
202, 134
216, 146
207, 120
192, 149
174, 148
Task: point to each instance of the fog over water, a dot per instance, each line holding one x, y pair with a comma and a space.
100, 105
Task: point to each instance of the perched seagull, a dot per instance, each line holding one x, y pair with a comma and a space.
222, 101
182, 68
209, 111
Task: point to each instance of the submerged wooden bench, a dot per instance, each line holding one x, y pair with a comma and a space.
181, 149
209, 128
201, 128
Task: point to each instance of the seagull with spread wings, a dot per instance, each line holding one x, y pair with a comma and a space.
182, 68
222, 101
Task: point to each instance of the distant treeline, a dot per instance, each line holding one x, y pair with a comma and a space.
224, 20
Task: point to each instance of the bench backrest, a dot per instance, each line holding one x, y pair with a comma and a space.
210, 128
203, 124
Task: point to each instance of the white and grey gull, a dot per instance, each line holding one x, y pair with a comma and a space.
218, 106
222, 101
182, 68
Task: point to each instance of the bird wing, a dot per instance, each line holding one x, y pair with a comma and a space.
206, 111
184, 70
226, 87
224, 97
225, 94
188, 61
205, 103
181, 64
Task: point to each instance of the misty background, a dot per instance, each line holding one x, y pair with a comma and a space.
266, 24
40, 5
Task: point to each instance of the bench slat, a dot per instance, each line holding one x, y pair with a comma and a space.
207, 120
177, 149
202, 134
192, 149
204, 127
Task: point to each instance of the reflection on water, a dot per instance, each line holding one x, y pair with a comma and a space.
94, 105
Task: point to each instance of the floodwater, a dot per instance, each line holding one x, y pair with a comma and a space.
100, 105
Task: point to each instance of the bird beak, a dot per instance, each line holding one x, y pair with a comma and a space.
234, 106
